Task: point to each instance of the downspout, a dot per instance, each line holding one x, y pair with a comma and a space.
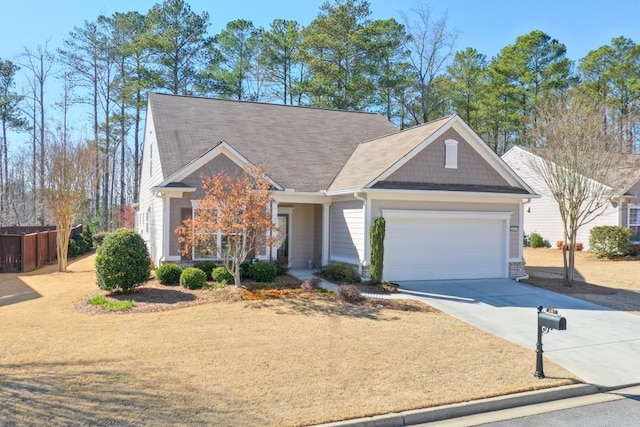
365, 217
525, 276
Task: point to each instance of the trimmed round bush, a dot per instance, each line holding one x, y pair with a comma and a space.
168, 274
207, 267
244, 270
122, 261
193, 278
263, 272
221, 275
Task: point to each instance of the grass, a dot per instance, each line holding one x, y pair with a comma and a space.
108, 305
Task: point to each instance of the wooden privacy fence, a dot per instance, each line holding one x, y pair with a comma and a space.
26, 248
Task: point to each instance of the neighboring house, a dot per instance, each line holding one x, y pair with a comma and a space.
543, 216
453, 208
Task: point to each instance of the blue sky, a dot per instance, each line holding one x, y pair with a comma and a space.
487, 25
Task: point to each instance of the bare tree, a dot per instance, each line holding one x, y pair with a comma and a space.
431, 45
574, 163
39, 63
69, 176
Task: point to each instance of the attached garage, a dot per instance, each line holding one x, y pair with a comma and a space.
434, 245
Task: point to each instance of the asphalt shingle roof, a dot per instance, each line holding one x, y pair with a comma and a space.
301, 148
372, 158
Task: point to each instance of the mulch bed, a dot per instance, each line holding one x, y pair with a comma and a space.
154, 297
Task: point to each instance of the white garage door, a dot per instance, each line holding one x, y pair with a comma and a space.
432, 245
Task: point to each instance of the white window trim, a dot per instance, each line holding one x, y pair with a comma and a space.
450, 154
218, 255
629, 224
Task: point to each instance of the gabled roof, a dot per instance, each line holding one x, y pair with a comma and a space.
371, 159
623, 177
374, 161
301, 148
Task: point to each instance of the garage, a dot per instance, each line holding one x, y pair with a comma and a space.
434, 245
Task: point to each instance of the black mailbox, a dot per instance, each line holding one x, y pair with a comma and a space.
552, 321
547, 320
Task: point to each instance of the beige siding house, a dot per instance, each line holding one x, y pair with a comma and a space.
542, 215
453, 208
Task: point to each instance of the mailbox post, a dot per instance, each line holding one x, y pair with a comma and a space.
547, 320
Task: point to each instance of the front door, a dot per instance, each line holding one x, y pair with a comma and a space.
283, 250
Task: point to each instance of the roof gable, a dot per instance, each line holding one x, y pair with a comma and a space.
411, 157
301, 148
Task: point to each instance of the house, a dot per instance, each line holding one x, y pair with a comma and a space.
542, 215
453, 208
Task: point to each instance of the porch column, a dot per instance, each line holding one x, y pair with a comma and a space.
325, 233
274, 220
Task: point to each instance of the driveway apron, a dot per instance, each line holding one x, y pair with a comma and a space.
600, 345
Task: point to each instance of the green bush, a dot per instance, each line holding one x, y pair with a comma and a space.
281, 268
244, 270
610, 241
376, 235
207, 267
168, 274
536, 240
87, 236
221, 275
122, 261
193, 278
263, 272
342, 273
72, 249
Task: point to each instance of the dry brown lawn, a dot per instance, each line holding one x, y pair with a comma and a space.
278, 362
612, 283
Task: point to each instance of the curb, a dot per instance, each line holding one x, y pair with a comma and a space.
456, 410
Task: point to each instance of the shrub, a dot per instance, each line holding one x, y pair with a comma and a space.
221, 275
340, 273
193, 278
610, 241
98, 238
122, 261
72, 249
87, 236
310, 284
281, 268
349, 293
168, 274
536, 240
263, 272
244, 270
207, 267
98, 300
377, 232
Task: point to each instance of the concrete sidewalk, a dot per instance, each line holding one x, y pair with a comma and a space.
600, 345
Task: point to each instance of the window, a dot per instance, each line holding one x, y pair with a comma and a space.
451, 154
634, 222
212, 245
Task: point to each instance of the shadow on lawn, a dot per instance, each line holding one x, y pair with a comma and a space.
312, 307
79, 394
551, 278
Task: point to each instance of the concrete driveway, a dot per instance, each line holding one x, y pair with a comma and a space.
600, 345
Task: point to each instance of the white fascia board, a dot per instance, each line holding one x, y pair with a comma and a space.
447, 196
407, 213
300, 197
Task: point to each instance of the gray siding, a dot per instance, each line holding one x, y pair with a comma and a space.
175, 222
302, 235
217, 165
428, 166
347, 231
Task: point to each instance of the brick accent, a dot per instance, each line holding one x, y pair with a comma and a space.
516, 269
